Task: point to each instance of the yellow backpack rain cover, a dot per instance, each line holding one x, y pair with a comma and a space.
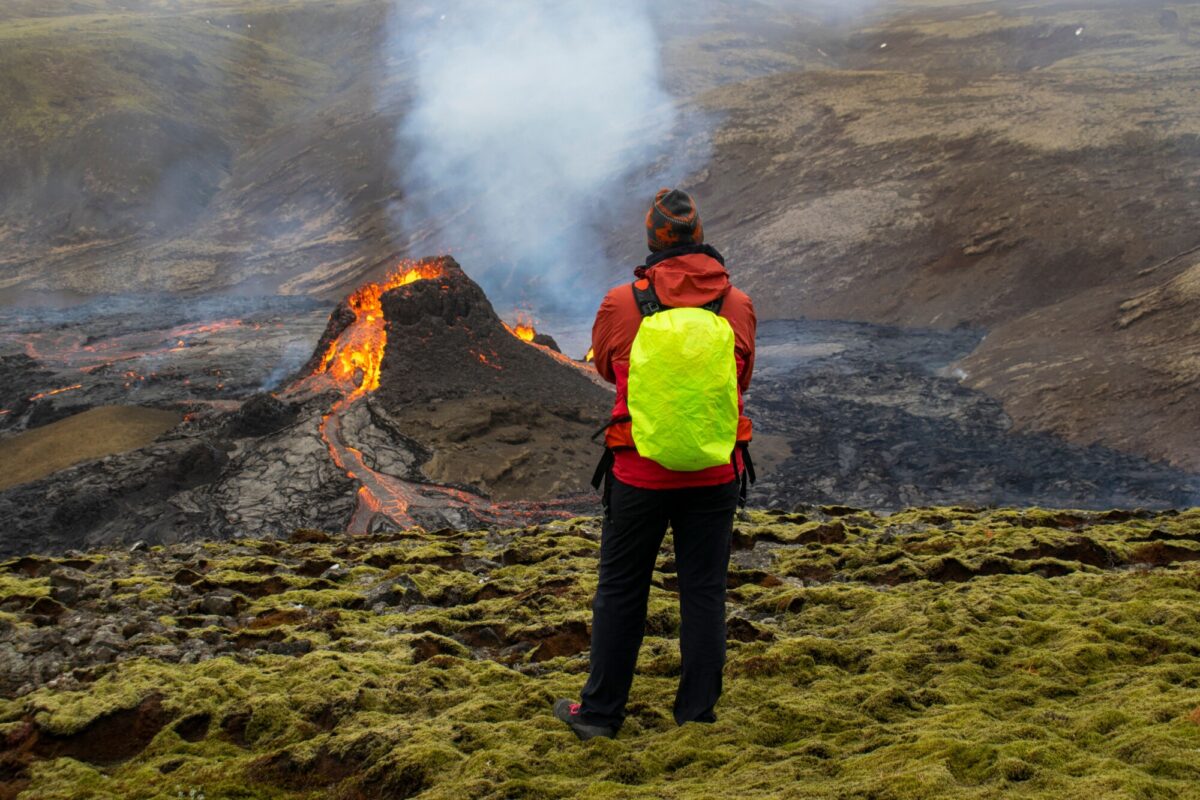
683, 393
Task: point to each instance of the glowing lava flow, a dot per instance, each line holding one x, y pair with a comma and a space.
384, 495
53, 392
524, 330
356, 357
74, 351
353, 363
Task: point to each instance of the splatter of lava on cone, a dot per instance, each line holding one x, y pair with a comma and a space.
493, 407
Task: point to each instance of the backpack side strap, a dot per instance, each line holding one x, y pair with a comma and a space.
610, 423
748, 462
604, 476
747, 476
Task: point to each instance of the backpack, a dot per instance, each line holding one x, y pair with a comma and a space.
683, 390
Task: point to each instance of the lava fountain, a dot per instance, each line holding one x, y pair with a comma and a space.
523, 329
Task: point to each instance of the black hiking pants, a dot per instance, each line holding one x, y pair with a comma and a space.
701, 520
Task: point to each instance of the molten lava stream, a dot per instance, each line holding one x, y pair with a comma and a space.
394, 498
353, 362
53, 392
524, 330
356, 357
377, 493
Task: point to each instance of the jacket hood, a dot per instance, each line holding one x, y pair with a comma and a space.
687, 276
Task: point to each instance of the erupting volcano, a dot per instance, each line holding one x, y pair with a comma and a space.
427, 354
417, 406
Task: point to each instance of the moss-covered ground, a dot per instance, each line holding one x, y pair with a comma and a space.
932, 653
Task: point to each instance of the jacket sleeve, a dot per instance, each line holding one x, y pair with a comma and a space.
745, 327
605, 336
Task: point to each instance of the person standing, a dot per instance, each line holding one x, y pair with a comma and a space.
679, 346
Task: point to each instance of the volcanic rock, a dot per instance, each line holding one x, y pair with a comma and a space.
876, 418
20, 378
888, 571
262, 414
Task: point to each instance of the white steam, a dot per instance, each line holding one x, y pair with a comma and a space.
528, 123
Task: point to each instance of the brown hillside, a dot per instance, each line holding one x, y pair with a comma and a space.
95, 433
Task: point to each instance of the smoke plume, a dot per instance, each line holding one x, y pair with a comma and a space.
529, 124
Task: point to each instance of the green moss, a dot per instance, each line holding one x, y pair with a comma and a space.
144, 588
903, 678
16, 586
310, 598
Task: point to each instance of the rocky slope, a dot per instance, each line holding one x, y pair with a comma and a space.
945, 652
1123, 371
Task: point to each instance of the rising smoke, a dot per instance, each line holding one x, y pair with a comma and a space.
529, 125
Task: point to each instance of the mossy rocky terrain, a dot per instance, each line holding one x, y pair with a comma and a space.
938, 652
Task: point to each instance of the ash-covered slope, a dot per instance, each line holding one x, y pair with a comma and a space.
192, 148
950, 167
511, 417
1122, 366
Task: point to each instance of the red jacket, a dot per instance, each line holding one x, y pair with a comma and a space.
692, 278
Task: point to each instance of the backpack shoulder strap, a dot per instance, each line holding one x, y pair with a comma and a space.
646, 298
648, 302
715, 305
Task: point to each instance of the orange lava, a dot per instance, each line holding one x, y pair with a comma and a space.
67, 349
53, 392
591, 356
524, 329
355, 358
354, 361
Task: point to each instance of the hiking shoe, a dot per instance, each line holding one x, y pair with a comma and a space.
568, 712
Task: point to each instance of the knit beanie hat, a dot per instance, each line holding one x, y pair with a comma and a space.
673, 221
